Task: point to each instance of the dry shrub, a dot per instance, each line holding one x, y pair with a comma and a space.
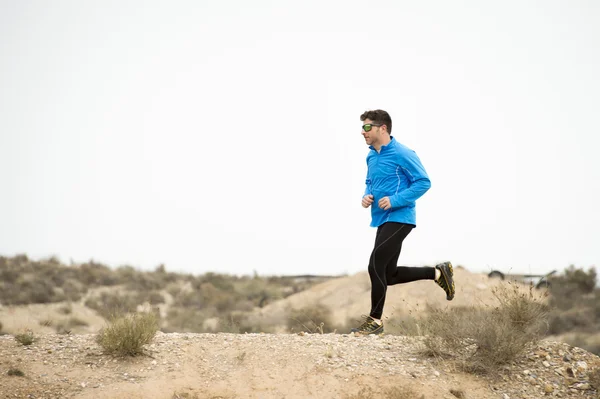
185, 320
575, 302
483, 338
311, 318
406, 325
110, 304
126, 335
25, 339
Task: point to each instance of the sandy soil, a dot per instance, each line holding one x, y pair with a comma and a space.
278, 366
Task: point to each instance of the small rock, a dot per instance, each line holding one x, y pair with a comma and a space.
505, 396
526, 372
546, 364
581, 366
436, 373
582, 386
567, 358
548, 388
154, 363
83, 384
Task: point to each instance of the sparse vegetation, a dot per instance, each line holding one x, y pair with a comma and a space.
575, 307
25, 339
221, 303
312, 319
46, 322
108, 304
15, 372
483, 338
192, 299
126, 335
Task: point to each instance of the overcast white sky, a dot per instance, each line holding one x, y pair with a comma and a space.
225, 135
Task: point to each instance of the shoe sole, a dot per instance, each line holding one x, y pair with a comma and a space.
443, 270
376, 332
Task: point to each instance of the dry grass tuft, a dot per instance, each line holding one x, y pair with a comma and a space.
126, 335
25, 339
311, 318
483, 338
15, 372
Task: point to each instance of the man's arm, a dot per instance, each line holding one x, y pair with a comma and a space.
419, 181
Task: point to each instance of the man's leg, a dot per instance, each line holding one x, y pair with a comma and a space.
383, 271
386, 250
442, 274
388, 244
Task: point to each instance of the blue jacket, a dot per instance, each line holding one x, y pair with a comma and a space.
395, 172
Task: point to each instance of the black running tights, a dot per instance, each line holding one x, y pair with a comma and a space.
383, 269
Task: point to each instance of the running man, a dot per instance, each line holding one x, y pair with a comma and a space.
395, 180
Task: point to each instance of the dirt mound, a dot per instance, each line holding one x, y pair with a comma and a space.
349, 297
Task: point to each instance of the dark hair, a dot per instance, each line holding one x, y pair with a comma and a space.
378, 116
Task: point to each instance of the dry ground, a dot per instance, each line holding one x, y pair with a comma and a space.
279, 366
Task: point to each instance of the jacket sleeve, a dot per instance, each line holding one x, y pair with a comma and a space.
419, 182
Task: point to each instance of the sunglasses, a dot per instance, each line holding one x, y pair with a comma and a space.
369, 126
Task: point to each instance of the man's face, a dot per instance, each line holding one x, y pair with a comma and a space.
374, 133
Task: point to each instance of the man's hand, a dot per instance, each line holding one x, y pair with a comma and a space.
367, 200
385, 203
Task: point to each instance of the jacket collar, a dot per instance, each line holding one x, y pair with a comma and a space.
383, 147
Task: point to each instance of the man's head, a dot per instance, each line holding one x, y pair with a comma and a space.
378, 117
377, 127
